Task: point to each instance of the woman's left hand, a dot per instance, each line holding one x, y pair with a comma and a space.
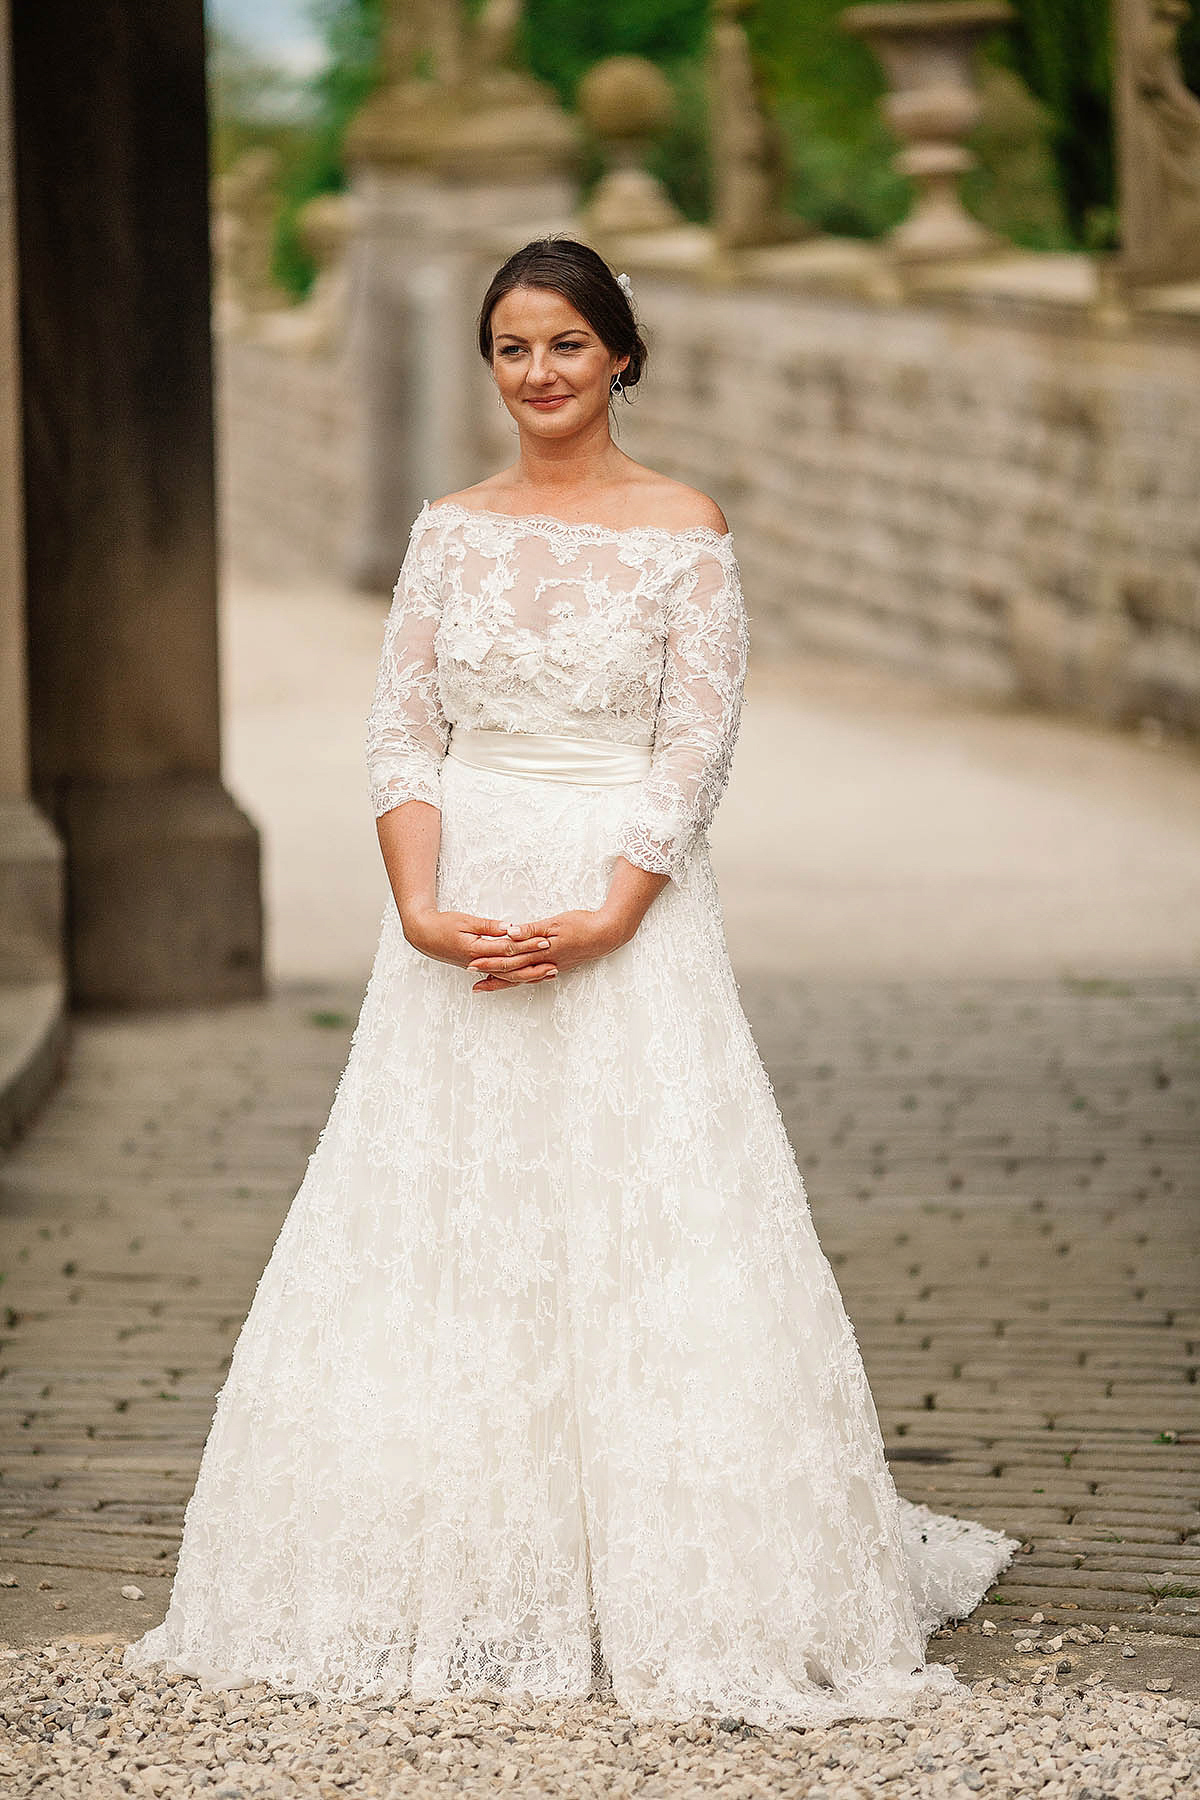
575, 938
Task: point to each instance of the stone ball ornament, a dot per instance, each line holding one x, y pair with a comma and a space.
626, 97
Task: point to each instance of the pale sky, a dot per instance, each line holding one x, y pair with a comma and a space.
280, 31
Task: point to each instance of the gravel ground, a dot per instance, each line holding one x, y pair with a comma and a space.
78, 1726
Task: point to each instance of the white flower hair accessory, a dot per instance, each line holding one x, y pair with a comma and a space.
626, 287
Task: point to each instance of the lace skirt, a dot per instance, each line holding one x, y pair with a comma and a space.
547, 1386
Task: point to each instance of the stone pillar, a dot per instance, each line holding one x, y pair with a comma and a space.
163, 867
31, 858
14, 755
451, 172
32, 983
1158, 145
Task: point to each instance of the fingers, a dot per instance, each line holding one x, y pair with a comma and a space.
519, 978
501, 965
508, 953
505, 928
538, 928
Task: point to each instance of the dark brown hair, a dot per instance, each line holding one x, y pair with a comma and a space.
584, 279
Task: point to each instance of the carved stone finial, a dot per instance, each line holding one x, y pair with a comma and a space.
1158, 142
401, 40
506, 125
627, 101
477, 116
494, 38
927, 49
749, 158
398, 122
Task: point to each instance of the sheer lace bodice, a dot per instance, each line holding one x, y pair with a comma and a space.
529, 624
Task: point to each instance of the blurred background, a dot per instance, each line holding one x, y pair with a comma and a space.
921, 282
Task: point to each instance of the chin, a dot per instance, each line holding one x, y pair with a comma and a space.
565, 418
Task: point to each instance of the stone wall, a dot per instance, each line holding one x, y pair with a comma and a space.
1002, 496
289, 459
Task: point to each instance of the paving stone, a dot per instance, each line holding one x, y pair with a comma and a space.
1033, 1346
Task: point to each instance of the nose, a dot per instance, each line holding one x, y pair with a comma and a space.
541, 370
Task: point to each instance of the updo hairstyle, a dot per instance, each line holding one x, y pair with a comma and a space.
585, 280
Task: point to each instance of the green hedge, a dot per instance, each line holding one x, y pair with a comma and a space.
1046, 177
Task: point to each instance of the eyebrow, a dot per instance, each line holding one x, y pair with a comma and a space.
567, 331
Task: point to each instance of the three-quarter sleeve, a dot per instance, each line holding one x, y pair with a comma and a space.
407, 730
699, 711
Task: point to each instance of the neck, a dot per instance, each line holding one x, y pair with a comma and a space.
584, 460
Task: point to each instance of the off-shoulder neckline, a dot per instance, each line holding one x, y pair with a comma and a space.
596, 532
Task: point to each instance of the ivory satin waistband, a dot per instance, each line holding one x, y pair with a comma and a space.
590, 762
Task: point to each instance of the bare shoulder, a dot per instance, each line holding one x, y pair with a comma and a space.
678, 507
477, 496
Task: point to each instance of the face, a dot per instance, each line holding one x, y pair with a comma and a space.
553, 372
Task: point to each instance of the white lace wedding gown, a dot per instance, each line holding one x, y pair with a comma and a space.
547, 1385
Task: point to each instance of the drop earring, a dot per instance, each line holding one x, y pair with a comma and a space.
615, 386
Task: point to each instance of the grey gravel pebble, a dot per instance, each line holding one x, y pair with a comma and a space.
80, 1728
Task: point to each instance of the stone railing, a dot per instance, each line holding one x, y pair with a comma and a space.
989, 478
288, 405
935, 451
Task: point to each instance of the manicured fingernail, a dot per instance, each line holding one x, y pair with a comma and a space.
543, 943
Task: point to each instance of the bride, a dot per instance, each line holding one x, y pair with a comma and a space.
547, 1388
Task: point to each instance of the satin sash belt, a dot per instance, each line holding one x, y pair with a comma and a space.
592, 762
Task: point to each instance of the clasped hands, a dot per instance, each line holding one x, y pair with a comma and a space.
505, 953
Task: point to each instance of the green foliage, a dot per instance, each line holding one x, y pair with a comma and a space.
253, 104
1061, 49
681, 159
825, 88
1189, 50
250, 104
351, 29
561, 39
1046, 170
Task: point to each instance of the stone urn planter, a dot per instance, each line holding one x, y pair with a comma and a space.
927, 48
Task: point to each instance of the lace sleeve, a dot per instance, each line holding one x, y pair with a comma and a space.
407, 731
698, 715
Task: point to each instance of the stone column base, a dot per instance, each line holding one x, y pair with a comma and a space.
31, 895
165, 905
34, 1027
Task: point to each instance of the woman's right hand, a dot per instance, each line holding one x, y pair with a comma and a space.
460, 938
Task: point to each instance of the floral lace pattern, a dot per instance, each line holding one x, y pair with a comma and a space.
529, 624
547, 1387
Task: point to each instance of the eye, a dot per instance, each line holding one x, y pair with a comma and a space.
570, 346
510, 350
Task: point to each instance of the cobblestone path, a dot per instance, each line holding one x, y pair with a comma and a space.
1004, 1174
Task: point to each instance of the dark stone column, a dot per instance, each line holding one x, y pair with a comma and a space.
33, 1003
111, 139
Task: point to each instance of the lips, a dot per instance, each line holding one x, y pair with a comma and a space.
549, 400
